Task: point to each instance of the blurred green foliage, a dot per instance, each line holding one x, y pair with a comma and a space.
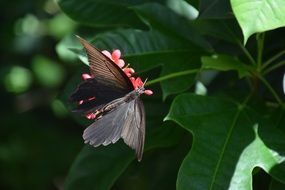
38, 138
181, 46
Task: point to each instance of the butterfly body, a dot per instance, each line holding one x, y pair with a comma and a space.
111, 106
114, 102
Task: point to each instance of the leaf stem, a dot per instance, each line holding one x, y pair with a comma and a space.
260, 44
277, 65
269, 61
246, 52
266, 83
172, 75
229, 134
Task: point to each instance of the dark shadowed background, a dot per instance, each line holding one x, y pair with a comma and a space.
38, 138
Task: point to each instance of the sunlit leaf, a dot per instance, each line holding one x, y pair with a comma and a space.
229, 142
225, 63
258, 16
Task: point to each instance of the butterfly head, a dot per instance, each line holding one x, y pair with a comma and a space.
140, 90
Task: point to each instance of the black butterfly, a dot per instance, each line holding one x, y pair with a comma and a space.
117, 106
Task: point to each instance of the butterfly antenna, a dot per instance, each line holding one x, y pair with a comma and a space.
127, 65
145, 81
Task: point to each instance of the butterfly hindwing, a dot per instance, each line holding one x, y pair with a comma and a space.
126, 121
133, 132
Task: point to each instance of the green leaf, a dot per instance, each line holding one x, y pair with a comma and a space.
276, 185
98, 168
229, 142
225, 63
215, 9
88, 167
258, 16
226, 29
165, 20
100, 13
185, 75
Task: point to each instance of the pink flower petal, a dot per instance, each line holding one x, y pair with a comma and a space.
80, 102
120, 63
92, 98
116, 54
148, 92
108, 54
139, 82
129, 70
133, 80
86, 76
91, 116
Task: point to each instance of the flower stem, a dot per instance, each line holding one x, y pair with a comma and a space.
269, 61
172, 75
277, 65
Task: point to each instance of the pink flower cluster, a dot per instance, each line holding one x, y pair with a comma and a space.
115, 56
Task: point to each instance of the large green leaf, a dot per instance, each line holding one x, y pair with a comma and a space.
226, 29
185, 75
102, 13
258, 16
99, 168
229, 142
214, 9
224, 63
276, 185
165, 20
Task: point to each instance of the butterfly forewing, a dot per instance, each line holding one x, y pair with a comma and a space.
92, 88
105, 70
